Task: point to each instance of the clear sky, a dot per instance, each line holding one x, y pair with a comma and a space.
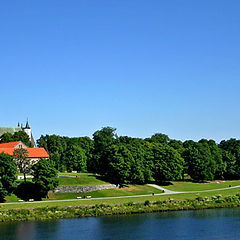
74, 66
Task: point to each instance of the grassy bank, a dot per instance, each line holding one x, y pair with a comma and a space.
53, 213
130, 190
118, 200
79, 179
193, 186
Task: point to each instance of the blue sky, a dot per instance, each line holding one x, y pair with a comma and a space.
73, 67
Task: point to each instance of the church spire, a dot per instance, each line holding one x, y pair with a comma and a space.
18, 124
27, 125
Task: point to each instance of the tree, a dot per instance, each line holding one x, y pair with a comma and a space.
231, 148
102, 140
58, 148
118, 162
159, 138
168, 163
230, 160
8, 171
216, 154
141, 168
55, 146
75, 159
23, 162
201, 164
6, 137
45, 176
17, 136
22, 136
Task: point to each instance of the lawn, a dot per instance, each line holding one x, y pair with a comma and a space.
84, 202
74, 179
126, 191
131, 191
191, 186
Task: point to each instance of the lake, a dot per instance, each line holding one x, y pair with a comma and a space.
184, 225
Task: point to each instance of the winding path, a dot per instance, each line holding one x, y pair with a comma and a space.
166, 191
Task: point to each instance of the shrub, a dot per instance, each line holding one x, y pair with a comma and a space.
147, 203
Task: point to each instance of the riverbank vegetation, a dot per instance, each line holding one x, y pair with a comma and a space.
53, 213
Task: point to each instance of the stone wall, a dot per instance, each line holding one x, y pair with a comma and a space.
83, 189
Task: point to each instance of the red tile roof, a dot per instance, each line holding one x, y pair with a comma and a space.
32, 152
9, 144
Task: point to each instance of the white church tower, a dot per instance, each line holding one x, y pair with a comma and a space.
28, 131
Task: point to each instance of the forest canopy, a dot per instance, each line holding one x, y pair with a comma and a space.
123, 159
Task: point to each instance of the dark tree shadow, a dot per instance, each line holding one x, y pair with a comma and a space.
28, 190
163, 183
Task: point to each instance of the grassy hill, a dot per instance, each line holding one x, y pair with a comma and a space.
79, 179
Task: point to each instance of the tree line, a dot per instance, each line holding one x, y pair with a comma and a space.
44, 179
123, 159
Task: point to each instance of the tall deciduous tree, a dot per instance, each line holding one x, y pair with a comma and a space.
23, 162
102, 140
168, 163
75, 159
201, 164
8, 171
159, 138
231, 149
45, 176
118, 162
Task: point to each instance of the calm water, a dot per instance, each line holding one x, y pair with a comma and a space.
185, 225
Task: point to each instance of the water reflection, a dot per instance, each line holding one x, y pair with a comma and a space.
29, 230
185, 225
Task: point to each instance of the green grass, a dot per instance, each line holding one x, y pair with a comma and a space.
79, 179
75, 179
89, 179
191, 186
127, 191
84, 202
11, 198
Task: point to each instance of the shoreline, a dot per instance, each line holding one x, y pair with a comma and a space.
57, 213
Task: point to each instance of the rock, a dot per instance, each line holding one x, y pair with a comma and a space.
83, 189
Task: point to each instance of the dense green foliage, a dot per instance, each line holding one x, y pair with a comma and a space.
134, 160
8, 171
168, 163
68, 154
17, 136
44, 176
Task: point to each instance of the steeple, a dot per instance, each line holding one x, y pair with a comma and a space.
18, 124
27, 125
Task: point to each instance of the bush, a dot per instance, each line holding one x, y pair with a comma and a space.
147, 203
